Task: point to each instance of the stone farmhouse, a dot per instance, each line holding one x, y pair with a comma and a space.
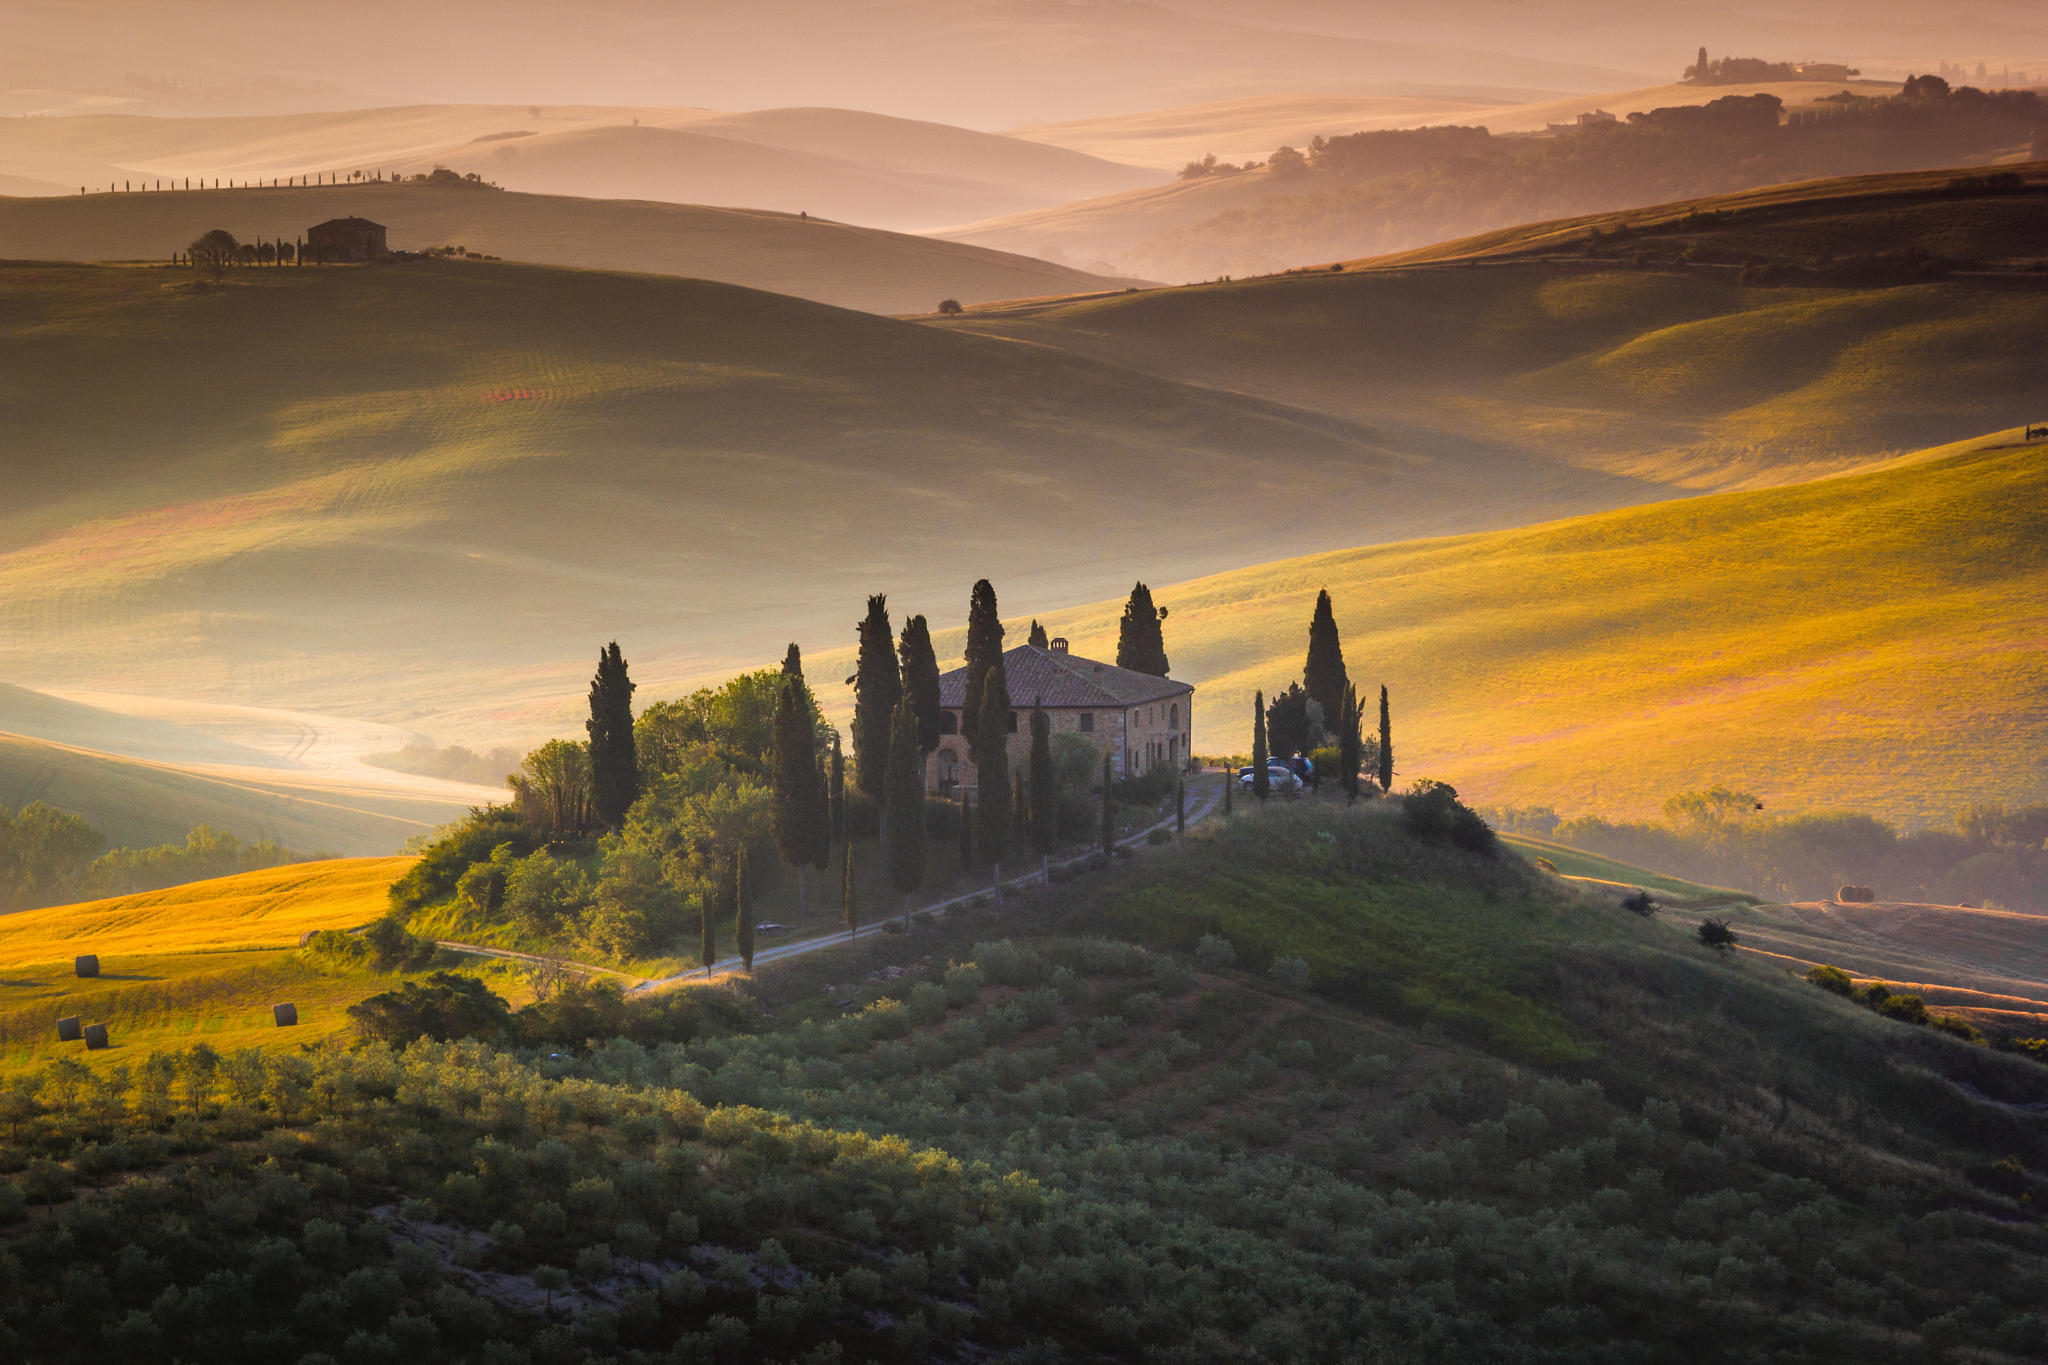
345, 239
1140, 721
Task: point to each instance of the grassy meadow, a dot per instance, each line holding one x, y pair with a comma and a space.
196, 963
1590, 868
1870, 642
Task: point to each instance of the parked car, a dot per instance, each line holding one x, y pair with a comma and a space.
1302, 767
1279, 778
770, 930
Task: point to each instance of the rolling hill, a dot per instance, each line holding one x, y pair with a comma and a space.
835, 163
1872, 642
853, 267
1546, 342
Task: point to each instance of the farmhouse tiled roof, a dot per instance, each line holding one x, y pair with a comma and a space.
1057, 679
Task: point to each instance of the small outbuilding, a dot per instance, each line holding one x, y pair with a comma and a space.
345, 239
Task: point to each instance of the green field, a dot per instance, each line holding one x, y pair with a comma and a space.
1871, 643
1578, 865
197, 963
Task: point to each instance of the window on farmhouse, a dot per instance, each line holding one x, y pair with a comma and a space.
1011, 723
1087, 726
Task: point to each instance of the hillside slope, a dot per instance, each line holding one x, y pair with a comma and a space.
1872, 642
1557, 345
467, 475
852, 267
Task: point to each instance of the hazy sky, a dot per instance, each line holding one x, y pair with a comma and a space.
984, 63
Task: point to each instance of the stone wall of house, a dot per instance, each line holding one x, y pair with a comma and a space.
1138, 740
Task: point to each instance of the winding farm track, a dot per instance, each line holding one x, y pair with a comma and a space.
1204, 806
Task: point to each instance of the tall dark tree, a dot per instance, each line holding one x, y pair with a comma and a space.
742, 918
966, 835
1045, 797
921, 681
992, 773
1108, 809
838, 791
1140, 644
1020, 808
1386, 744
793, 661
614, 765
795, 779
906, 804
707, 913
1262, 781
214, 252
1038, 637
984, 651
1322, 674
877, 687
1350, 743
849, 892
1180, 805
821, 817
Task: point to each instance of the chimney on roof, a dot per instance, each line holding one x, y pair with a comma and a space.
1059, 644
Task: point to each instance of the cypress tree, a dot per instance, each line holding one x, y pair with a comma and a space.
1180, 805
849, 894
793, 661
794, 778
906, 802
1229, 786
984, 651
614, 766
1322, 674
1038, 636
1262, 782
708, 927
1108, 812
992, 774
1140, 645
821, 817
1350, 742
1020, 809
838, 791
742, 922
966, 835
1045, 806
921, 681
1386, 744
877, 687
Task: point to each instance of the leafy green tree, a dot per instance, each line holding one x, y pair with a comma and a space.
446, 1005
799, 800
921, 681
214, 252
1044, 789
614, 765
742, 918
1386, 744
1140, 643
984, 651
552, 789
1322, 674
1262, 782
906, 803
992, 774
1294, 722
877, 687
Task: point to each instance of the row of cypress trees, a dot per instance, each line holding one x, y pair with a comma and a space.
1327, 683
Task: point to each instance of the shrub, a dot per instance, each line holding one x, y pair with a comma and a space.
1435, 815
446, 1005
950, 307
1959, 1027
1832, 979
1215, 952
1716, 934
1909, 1008
1290, 972
962, 983
1640, 903
927, 1003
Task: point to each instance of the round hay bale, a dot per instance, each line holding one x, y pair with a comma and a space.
95, 1037
68, 1030
285, 1015
86, 964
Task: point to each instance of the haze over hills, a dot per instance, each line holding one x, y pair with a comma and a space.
836, 263
835, 163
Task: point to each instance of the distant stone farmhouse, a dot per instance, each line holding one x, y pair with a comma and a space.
346, 239
1140, 721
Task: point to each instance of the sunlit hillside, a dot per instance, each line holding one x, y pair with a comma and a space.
853, 267
198, 963
1872, 642
1676, 371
